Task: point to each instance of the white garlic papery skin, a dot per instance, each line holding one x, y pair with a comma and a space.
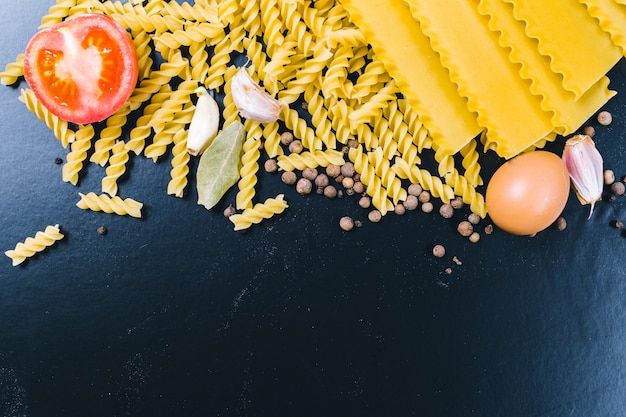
252, 101
204, 123
585, 166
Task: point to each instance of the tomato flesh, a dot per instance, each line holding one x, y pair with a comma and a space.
83, 69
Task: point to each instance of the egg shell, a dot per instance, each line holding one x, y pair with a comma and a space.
528, 193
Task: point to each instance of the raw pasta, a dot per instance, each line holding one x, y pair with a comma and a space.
33, 245
107, 204
258, 213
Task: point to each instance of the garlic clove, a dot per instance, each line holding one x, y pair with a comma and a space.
584, 163
252, 101
204, 123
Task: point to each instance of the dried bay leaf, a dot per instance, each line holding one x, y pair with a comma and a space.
219, 165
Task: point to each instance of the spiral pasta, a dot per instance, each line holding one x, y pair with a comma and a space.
259, 212
60, 127
103, 202
249, 167
180, 165
56, 13
33, 245
78, 154
109, 135
117, 167
371, 180
13, 71
310, 159
142, 130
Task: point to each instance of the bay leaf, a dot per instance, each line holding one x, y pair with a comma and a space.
219, 165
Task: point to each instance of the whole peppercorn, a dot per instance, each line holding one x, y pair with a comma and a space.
309, 173
424, 196
374, 216
399, 209
330, 191
589, 131
448, 271
473, 218
457, 203
320, 190
560, 224
229, 211
465, 228
295, 146
353, 143
609, 176
350, 191
365, 202
427, 207
347, 182
58, 160
270, 165
102, 230
411, 202
489, 229
321, 180
333, 170
339, 194
356, 177
618, 188
346, 223
618, 224
474, 237
289, 177
446, 211
358, 187
414, 189
358, 223
304, 186
605, 118
286, 138
439, 251
347, 169
345, 149
339, 179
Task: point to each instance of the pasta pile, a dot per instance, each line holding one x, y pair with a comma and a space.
302, 52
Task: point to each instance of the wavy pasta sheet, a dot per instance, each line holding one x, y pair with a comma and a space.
568, 113
33, 245
408, 57
259, 212
102, 202
514, 119
611, 16
568, 34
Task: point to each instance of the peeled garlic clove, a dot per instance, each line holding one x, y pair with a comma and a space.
584, 163
204, 123
252, 101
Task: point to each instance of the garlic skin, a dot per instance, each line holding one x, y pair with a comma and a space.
584, 163
204, 123
252, 101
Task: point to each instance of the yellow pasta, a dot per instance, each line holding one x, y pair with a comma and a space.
310, 159
57, 13
103, 202
180, 165
249, 166
375, 188
78, 154
109, 135
388, 178
59, 127
13, 71
259, 212
143, 129
117, 167
33, 245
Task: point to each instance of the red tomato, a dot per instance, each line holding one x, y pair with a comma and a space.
83, 69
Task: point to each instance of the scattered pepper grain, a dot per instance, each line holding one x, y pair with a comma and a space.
295, 146
333, 170
427, 207
448, 271
424, 197
58, 160
605, 118
457, 203
618, 188
330, 191
347, 169
229, 211
474, 237
489, 229
589, 131
374, 216
473, 218
289, 177
399, 209
609, 176
358, 187
304, 186
321, 180
365, 202
271, 165
346, 223
347, 182
414, 189
446, 211
286, 138
456, 260
411, 202
439, 251
102, 230
618, 224
309, 173
465, 228
560, 224
353, 143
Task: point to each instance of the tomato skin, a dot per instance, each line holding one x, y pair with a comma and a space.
83, 69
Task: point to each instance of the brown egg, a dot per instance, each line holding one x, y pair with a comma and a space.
528, 193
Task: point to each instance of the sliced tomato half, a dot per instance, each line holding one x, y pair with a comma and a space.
83, 69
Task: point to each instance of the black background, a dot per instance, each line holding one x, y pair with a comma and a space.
176, 314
